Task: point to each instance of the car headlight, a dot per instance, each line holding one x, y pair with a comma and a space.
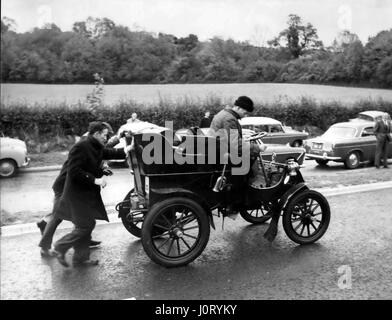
328, 147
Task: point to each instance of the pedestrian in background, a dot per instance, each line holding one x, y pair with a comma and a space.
81, 201
382, 130
133, 118
206, 121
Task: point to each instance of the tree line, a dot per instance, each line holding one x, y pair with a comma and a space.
120, 55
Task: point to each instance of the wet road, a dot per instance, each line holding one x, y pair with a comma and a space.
238, 263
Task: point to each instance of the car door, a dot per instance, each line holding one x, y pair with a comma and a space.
262, 128
277, 135
368, 143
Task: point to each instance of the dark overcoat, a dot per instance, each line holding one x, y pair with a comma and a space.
81, 201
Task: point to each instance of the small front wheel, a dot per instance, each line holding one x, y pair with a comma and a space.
175, 232
306, 217
131, 219
257, 216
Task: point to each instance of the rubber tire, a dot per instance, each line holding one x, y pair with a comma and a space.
254, 220
12, 164
204, 228
322, 162
286, 220
347, 163
131, 228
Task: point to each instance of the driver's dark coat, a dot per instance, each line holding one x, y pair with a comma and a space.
228, 121
81, 201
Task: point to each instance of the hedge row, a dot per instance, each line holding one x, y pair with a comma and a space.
43, 123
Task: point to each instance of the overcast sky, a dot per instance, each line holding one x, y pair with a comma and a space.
254, 20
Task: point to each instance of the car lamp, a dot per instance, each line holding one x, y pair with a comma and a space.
328, 147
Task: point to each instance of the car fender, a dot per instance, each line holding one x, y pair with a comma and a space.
181, 192
284, 200
355, 149
16, 154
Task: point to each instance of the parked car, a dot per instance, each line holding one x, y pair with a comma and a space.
370, 115
13, 155
352, 143
277, 152
277, 133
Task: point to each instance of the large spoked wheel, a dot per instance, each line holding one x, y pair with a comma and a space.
306, 217
257, 216
186, 231
132, 220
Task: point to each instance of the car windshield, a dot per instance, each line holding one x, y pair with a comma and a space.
339, 132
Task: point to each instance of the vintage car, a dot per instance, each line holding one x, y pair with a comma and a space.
370, 115
172, 205
276, 132
352, 143
13, 155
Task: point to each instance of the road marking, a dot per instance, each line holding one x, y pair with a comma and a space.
13, 230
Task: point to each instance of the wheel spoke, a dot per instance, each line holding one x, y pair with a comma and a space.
186, 243
164, 242
311, 203
167, 220
313, 225
190, 228
316, 207
161, 235
299, 224
162, 227
307, 226
170, 246
188, 235
178, 247
187, 220
302, 230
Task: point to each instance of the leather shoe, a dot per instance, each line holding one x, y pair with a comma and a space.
94, 243
61, 258
41, 225
48, 253
85, 263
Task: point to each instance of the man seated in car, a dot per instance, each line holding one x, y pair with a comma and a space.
225, 124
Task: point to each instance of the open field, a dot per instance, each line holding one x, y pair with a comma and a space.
150, 94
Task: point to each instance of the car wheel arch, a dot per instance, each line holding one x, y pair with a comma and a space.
14, 162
